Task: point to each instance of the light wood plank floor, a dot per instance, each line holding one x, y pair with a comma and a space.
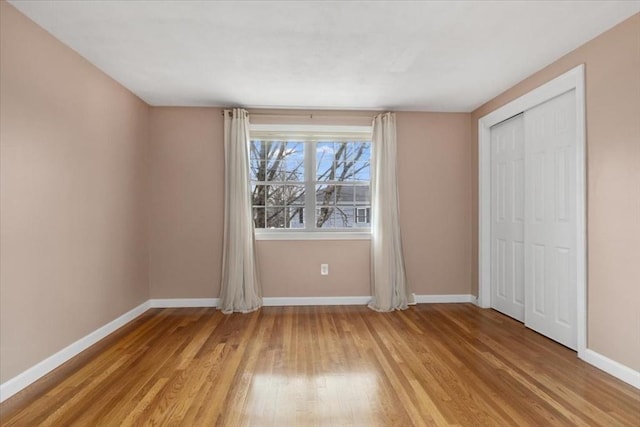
433, 364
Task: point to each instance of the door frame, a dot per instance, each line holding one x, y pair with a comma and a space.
571, 80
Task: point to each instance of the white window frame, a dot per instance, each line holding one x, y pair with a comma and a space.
308, 132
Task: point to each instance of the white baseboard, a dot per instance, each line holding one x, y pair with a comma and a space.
363, 300
20, 381
184, 302
455, 298
293, 301
282, 301
611, 367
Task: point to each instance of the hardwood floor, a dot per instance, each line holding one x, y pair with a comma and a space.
436, 364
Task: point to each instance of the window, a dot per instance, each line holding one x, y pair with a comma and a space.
278, 186
310, 180
362, 215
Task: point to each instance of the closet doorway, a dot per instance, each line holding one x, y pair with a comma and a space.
532, 220
532, 248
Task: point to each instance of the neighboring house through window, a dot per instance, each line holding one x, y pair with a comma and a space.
307, 179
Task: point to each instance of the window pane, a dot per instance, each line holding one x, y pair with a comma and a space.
257, 170
351, 171
293, 170
274, 170
325, 171
324, 217
335, 217
339, 151
324, 161
363, 194
345, 194
344, 217
254, 167
295, 217
277, 161
275, 217
325, 195
257, 150
295, 150
285, 217
258, 217
273, 166
258, 195
360, 151
361, 171
295, 195
352, 151
276, 195
324, 151
274, 149
343, 169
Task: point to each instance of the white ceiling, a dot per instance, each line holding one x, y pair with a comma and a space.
434, 56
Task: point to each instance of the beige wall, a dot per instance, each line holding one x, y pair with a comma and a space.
434, 182
187, 173
73, 153
186, 202
613, 179
292, 268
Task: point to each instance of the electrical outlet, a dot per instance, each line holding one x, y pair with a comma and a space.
324, 269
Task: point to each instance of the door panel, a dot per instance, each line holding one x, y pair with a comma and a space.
507, 217
518, 272
537, 283
550, 219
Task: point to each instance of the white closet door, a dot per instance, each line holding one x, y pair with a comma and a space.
550, 219
507, 217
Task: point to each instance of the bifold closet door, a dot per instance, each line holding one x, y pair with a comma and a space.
550, 219
507, 217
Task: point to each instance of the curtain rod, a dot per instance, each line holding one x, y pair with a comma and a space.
308, 115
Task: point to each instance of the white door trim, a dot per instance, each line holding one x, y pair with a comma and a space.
571, 80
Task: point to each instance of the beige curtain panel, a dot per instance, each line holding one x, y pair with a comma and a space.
240, 290
389, 282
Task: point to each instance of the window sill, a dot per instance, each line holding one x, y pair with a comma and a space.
320, 235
